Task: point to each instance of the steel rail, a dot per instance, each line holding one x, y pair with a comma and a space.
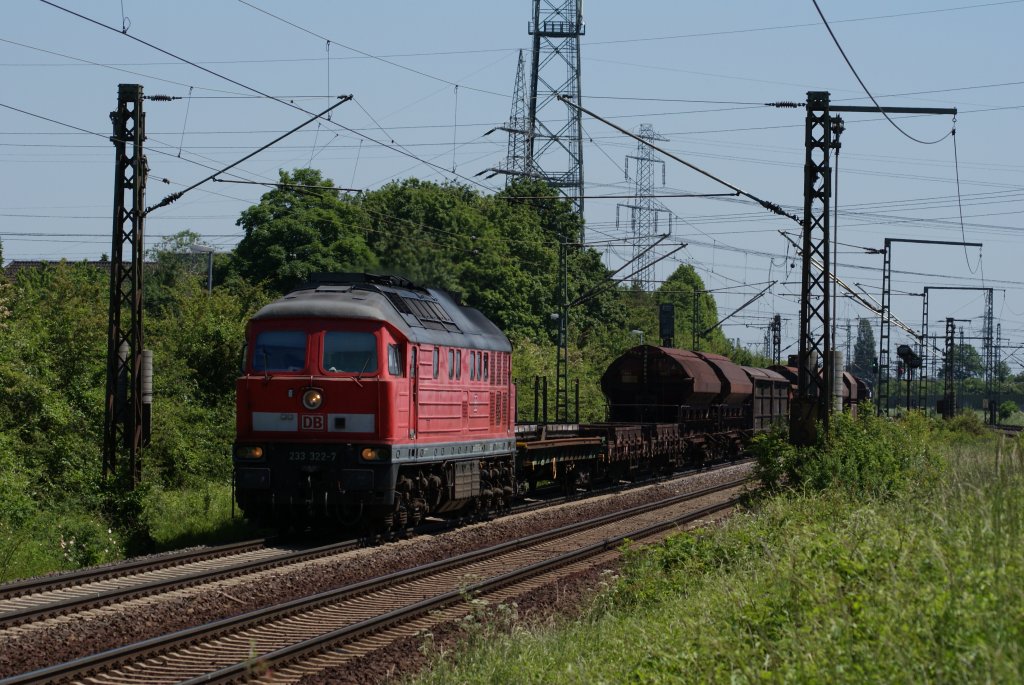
108, 597
20, 588
93, 664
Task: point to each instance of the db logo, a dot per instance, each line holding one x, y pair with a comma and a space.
312, 422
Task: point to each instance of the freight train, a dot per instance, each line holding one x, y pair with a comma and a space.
366, 400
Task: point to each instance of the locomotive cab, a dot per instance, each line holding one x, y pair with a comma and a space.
318, 403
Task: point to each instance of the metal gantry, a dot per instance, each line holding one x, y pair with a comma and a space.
987, 338
124, 419
556, 140
884, 337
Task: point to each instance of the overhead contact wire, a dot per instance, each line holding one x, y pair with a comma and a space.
770, 206
868, 92
260, 92
366, 54
175, 196
960, 207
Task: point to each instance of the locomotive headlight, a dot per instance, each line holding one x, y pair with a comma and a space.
312, 399
370, 453
249, 452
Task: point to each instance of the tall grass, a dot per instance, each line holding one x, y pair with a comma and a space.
918, 581
200, 515
44, 539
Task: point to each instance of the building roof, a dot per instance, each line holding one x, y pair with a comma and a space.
15, 266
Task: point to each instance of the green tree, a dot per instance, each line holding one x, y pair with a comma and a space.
172, 263
967, 363
300, 228
52, 373
484, 249
864, 351
684, 288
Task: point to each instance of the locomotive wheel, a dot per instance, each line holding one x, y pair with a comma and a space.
386, 528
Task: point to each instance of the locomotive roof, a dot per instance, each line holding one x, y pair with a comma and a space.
423, 315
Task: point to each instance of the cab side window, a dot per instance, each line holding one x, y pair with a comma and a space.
394, 360
451, 363
412, 362
437, 354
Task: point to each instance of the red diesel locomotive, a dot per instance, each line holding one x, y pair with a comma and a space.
367, 399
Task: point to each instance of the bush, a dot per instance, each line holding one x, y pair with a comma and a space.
775, 459
1007, 409
967, 423
868, 455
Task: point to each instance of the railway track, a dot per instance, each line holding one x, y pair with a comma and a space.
276, 638
90, 575
38, 599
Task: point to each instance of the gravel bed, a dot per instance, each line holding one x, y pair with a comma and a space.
545, 607
62, 639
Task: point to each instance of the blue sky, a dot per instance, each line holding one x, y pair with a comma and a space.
697, 72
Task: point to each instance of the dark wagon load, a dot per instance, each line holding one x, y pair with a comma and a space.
665, 384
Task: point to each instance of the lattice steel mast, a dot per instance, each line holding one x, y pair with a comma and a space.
949, 389
988, 333
812, 402
645, 210
776, 330
125, 419
555, 140
556, 144
517, 159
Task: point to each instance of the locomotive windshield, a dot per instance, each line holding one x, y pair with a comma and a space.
279, 351
350, 352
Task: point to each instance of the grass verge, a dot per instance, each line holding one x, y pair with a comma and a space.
918, 583
44, 540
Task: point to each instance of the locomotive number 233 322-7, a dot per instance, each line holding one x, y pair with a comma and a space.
311, 455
